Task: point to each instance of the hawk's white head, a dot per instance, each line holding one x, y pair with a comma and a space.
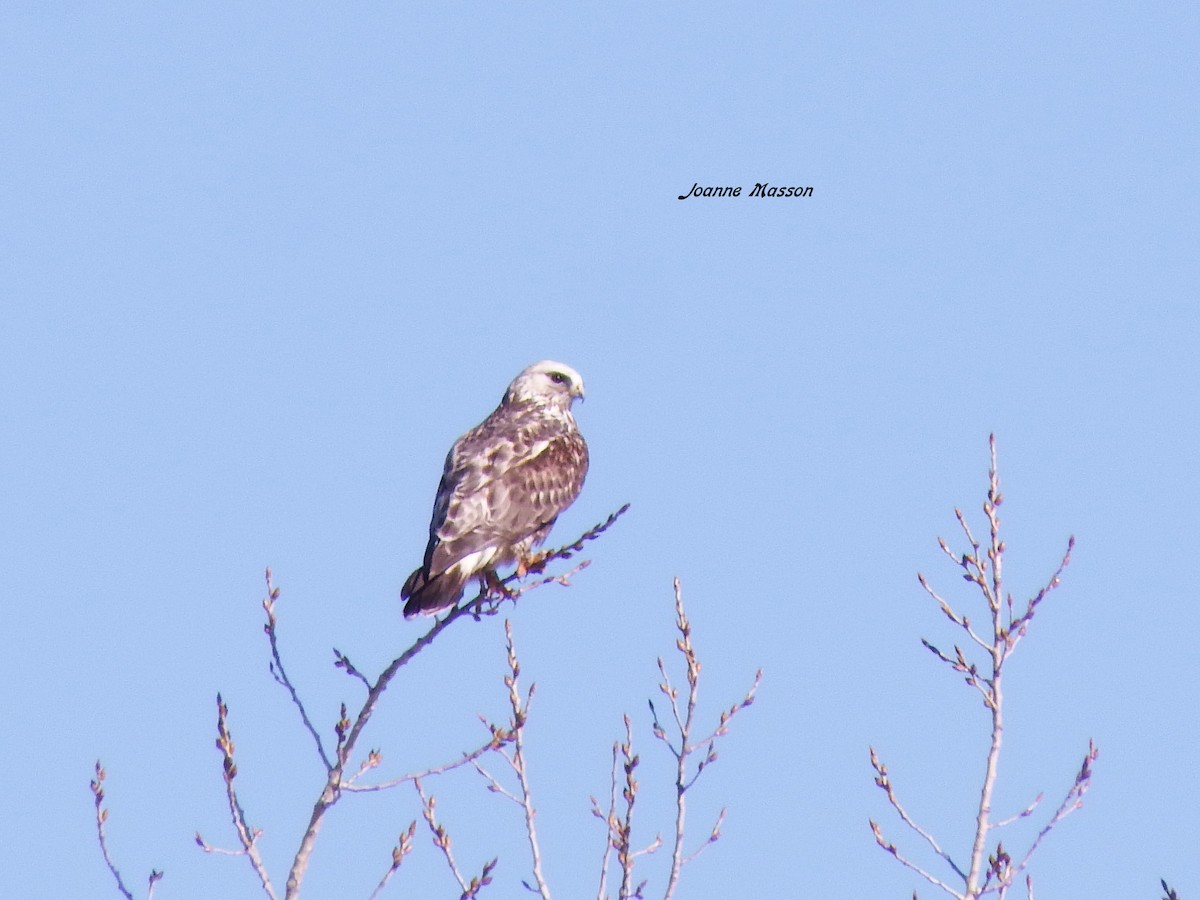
546, 383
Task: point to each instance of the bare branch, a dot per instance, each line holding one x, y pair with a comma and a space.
101, 818
373, 761
280, 674
1071, 802
969, 671
484, 603
681, 745
685, 716
984, 568
342, 661
480, 881
885, 784
520, 714
624, 827
246, 835
611, 824
1025, 813
961, 621
682, 783
726, 716
333, 785
568, 550
441, 840
468, 758
402, 849
891, 848
713, 836
1017, 626
495, 787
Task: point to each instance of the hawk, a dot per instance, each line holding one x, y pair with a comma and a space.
504, 483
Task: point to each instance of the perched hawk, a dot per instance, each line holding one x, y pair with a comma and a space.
504, 483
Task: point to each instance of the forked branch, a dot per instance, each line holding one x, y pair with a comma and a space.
679, 737
983, 567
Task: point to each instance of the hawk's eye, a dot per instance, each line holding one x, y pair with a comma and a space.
558, 377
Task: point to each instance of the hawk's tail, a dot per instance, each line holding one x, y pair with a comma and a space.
428, 596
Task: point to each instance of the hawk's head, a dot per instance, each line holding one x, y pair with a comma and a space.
547, 382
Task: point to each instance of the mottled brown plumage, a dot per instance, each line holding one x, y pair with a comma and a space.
504, 483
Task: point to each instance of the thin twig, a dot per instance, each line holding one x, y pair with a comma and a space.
246, 835
342, 661
685, 721
468, 758
495, 787
685, 731
885, 783
518, 762
402, 849
714, 835
891, 848
611, 824
101, 818
622, 842
373, 761
961, 621
441, 840
1072, 802
726, 716
280, 674
1025, 813
1017, 625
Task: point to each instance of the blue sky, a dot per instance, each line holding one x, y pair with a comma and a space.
263, 264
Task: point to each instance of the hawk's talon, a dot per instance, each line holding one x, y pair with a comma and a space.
492, 585
534, 562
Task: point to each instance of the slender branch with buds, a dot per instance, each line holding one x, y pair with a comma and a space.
441, 840
609, 818
683, 746
983, 567
402, 849
522, 797
246, 835
623, 843
101, 818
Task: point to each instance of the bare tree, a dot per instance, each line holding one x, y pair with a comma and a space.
345, 773
985, 872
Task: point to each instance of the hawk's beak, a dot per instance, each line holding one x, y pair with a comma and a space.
577, 391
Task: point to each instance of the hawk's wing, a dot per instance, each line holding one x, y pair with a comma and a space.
503, 481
